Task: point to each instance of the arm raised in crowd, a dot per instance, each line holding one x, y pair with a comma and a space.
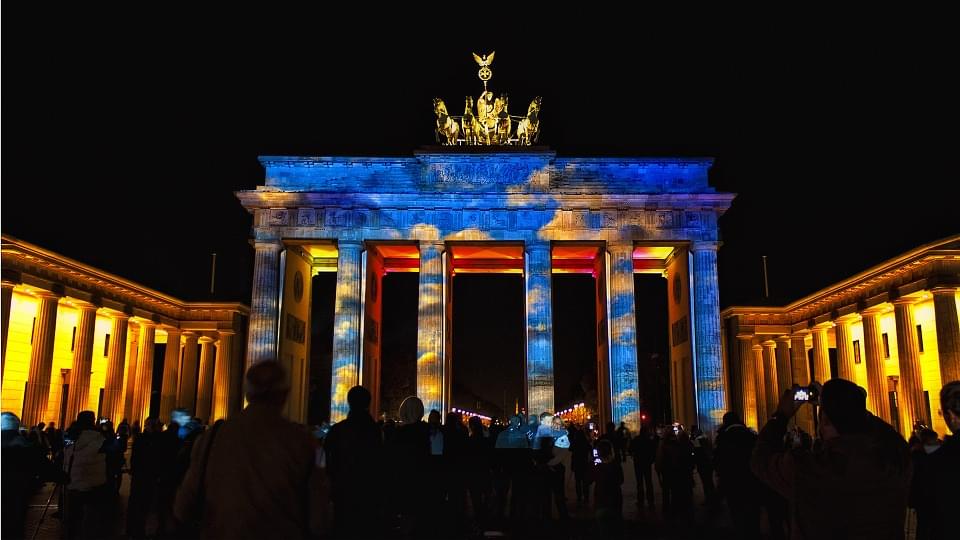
771, 463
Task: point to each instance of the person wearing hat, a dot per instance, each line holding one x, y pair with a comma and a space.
855, 485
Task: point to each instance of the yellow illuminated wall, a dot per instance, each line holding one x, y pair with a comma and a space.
295, 332
23, 308
681, 335
930, 361
67, 318
98, 366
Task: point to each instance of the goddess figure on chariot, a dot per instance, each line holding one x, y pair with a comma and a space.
492, 124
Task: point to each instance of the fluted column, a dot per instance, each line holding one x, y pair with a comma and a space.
748, 385
540, 334
844, 350
187, 391
5, 301
801, 376
771, 377
821, 353
205, 386
625, 382
41, 360
79, 391
113, 383
784, 369
222, 375
346, 328
911, 385
264, 304
171, 368
144, 382
131, 372
758, 378
877, 400
430, 327
948, 332
711, 394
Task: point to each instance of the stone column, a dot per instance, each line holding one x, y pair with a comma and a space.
187, 388
131, 372
821, 353
171, 371
346, 328
79, 391
801, 376
771, 379
113, 383
430, 327
908, 350
265, 303
41, 361
222, 375
144, 382
877, 400
748, 401
844, 350
948, 333
540, 334
758, 378
205, 386
5, 303
784, 369
711, 396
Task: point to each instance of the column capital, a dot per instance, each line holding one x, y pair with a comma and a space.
770, 344
617, 247
439, 245
227, 332
537, 246
8, 284
83, 306
904, 301
847, 320
800, 334
874, 311
745, 337
354, 243
757, 347
117, 316
704, 245
823, 327
943, 290
206, 339
782, 339
273, 244
189, 334
169, 328
47, 294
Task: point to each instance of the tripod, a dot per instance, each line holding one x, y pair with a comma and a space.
46, 507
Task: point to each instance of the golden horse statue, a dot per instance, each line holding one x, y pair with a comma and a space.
447, 127
469, 125
529, 127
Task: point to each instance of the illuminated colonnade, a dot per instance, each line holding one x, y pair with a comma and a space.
77, 338
437, 204
892, 329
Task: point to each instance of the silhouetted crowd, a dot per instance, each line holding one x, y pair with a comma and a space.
261, 476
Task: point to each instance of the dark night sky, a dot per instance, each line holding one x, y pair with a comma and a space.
124, 140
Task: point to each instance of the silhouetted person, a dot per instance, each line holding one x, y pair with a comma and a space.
24, 467
580, 462
254, 476
354, 460
856, 486
608, 497
643, 448
941, 474
623, 438
479, 453
86, 467
408, 455
738, 484
146, 464
454, 470
514, 457
703, 456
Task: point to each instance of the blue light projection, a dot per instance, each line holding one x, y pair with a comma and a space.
531, 197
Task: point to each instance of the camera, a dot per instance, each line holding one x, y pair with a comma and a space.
809, 393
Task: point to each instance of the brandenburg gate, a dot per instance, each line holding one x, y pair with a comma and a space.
482, 203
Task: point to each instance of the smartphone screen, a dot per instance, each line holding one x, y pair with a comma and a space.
801, 395
596, 457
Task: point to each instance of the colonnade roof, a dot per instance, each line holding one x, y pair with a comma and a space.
38, 268
936, 264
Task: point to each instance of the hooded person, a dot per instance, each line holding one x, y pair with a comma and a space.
855, 485
408, 455
86, 469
